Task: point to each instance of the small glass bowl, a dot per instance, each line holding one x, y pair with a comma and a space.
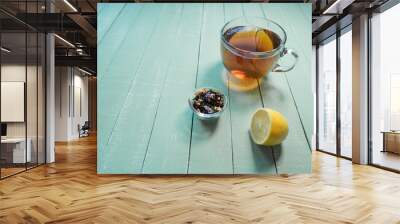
203, 116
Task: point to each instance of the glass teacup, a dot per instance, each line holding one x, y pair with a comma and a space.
251, 48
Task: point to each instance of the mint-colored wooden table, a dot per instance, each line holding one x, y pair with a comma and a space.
151, 57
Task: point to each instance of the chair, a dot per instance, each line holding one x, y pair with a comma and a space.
84, 130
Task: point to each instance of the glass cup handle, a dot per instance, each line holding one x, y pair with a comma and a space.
286, 68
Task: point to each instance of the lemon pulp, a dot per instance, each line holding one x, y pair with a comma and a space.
268, 127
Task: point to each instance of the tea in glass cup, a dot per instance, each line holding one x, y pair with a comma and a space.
251, 47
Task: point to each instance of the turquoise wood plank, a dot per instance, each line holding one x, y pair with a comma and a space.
211, 148
115, 82
232, 11
100, 8
295, 24
293, 155
247, 156
129, 140
298, 28
104, 93
112, 39
107, 13
168, 150
306, 107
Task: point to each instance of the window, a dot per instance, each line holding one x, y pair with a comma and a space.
333, 137
327, 96
346, 93
22, 101
385, 89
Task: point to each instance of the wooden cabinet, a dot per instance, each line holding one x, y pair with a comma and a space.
391, 142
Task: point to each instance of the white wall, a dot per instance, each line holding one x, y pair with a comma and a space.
33, 127
12, 73
70, 109
62, 82
79, 117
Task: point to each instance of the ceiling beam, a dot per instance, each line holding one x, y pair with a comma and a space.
86, 26
337, 7
49, 22
82, 61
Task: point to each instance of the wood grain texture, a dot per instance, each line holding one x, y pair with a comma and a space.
211, 146
109, 14
173, 130
125, 63
115, 96
115, 34
293, 155
133, 127
70, 191
298, 30
248, 157
145, 125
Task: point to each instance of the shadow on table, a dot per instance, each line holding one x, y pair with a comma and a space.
277, 149
210, 125
271, 91
211, 77
264, 156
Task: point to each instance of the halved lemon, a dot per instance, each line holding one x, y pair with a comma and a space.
268, 127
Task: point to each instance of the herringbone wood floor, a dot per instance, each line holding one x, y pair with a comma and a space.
70, 191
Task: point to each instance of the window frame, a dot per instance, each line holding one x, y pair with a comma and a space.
334, 37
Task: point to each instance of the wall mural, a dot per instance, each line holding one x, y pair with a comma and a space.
204, 88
